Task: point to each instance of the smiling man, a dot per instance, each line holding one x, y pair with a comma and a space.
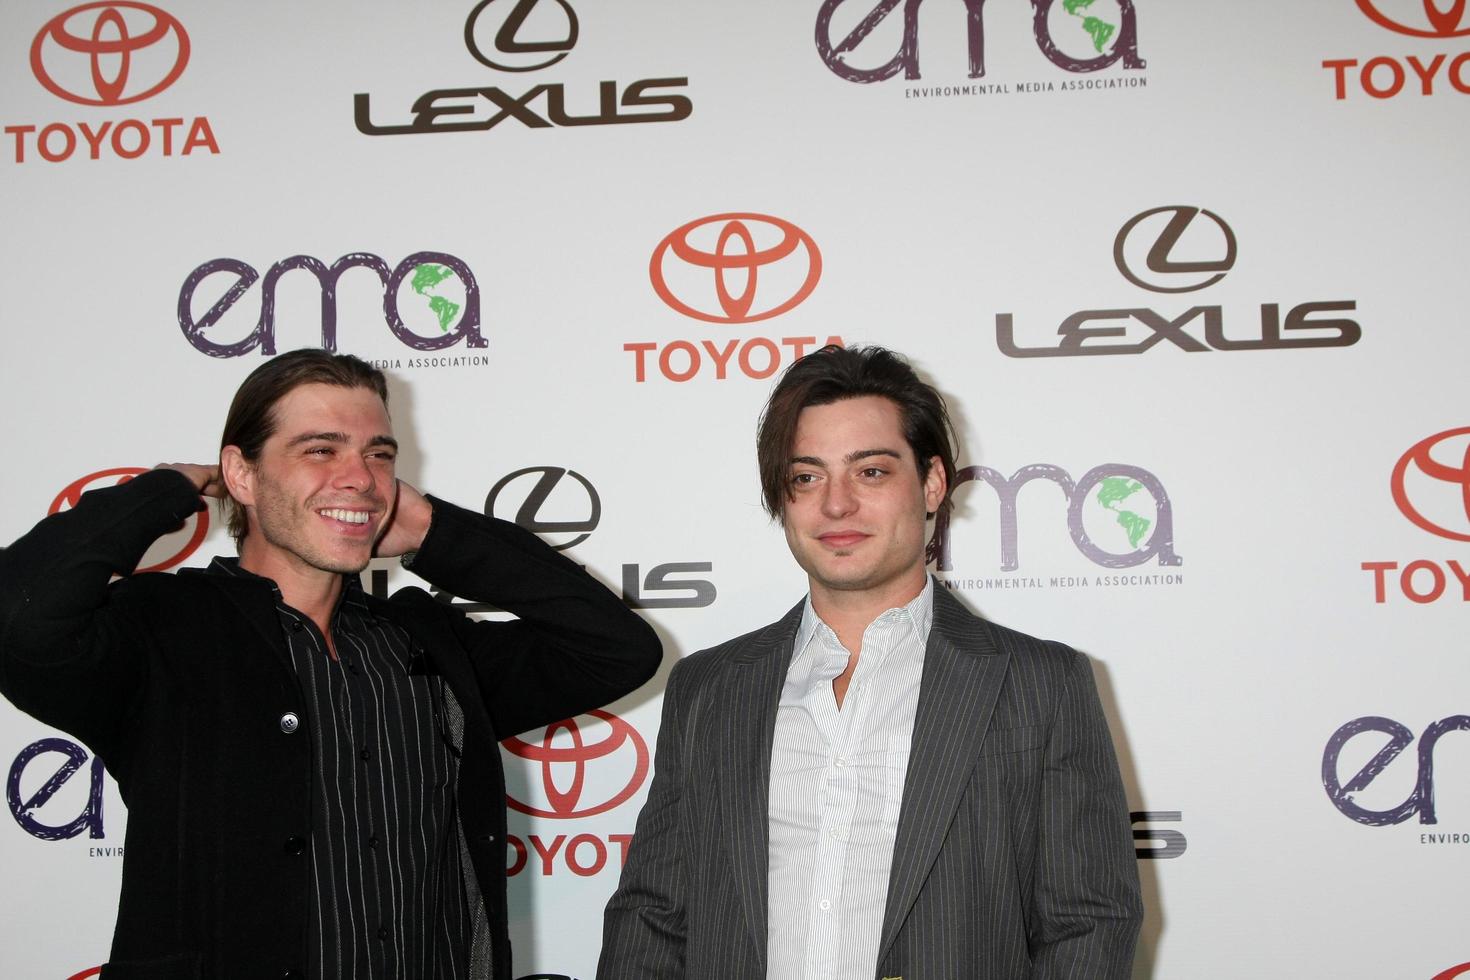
881, 784
312, 774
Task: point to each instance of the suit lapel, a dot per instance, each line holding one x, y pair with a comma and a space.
963, 673
748, 720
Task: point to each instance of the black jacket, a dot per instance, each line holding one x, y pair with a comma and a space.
179, 682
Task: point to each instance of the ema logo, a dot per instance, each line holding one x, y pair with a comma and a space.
1118, 516
555, 771
29, 806
1345, 795
430, 301
1078, 36
1453, 972
1180, 249
730, 269
1385, 76
110, 54
169, 550
525, 36
1430, 485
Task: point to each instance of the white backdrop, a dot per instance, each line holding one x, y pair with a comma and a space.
1214, 504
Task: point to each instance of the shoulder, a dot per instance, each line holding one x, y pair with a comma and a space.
709, 665
1029, 655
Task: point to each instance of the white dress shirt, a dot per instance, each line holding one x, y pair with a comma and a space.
836, 787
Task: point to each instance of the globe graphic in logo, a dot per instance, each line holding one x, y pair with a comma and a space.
1084, 27
431, 300
1120, 515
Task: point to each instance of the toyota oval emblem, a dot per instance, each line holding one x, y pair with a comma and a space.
564, 755
110, 53
735, 268
1433, 489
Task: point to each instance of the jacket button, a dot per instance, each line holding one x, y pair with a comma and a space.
295, 845
289, 722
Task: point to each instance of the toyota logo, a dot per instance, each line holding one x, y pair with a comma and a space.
110, 53
167, 551
512, 52
1441, 23
528, 515
563, 754
716, 268
1435, 473
1171, 274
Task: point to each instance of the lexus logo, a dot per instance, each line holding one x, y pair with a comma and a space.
1163, 270
529, 514
110, 53
502, 23
563, 755
1439, 23
735, 268
1431, 484
167, 551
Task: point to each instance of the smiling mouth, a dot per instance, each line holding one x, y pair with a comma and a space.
346, 516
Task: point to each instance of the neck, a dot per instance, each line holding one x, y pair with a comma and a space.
311, 591
850, 612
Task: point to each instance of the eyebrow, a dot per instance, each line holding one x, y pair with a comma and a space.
341, 437
851, 457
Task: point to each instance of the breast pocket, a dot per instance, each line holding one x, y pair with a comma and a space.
1009, 741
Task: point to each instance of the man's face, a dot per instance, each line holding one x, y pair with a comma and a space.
323, 486
856, 513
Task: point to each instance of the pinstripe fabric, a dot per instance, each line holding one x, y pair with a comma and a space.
387, 897
1013, 858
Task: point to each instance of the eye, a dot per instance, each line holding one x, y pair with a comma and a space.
383, 456
873, 472
803, 479
319, 451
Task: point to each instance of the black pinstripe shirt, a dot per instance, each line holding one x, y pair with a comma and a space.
388, 897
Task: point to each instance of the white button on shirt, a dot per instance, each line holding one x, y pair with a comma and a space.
836, 788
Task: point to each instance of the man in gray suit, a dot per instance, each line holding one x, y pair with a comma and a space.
881, 784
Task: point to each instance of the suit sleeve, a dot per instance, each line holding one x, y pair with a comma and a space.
574, 645
71, 645
1087, 908
643, 929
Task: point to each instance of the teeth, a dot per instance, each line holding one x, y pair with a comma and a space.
349, 516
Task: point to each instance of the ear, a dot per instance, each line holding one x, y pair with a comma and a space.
934, 486
238, 474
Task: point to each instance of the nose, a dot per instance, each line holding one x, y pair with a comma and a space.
353, 473
838, 500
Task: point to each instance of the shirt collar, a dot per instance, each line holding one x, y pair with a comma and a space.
352, 597
919, 614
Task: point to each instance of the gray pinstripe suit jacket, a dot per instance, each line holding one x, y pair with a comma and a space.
1013, 859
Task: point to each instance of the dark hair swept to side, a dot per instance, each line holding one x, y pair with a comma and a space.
834, 374
252, 420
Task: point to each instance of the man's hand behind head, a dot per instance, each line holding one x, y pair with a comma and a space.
205, 478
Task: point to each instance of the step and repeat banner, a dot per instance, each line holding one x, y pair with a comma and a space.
1191, 275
